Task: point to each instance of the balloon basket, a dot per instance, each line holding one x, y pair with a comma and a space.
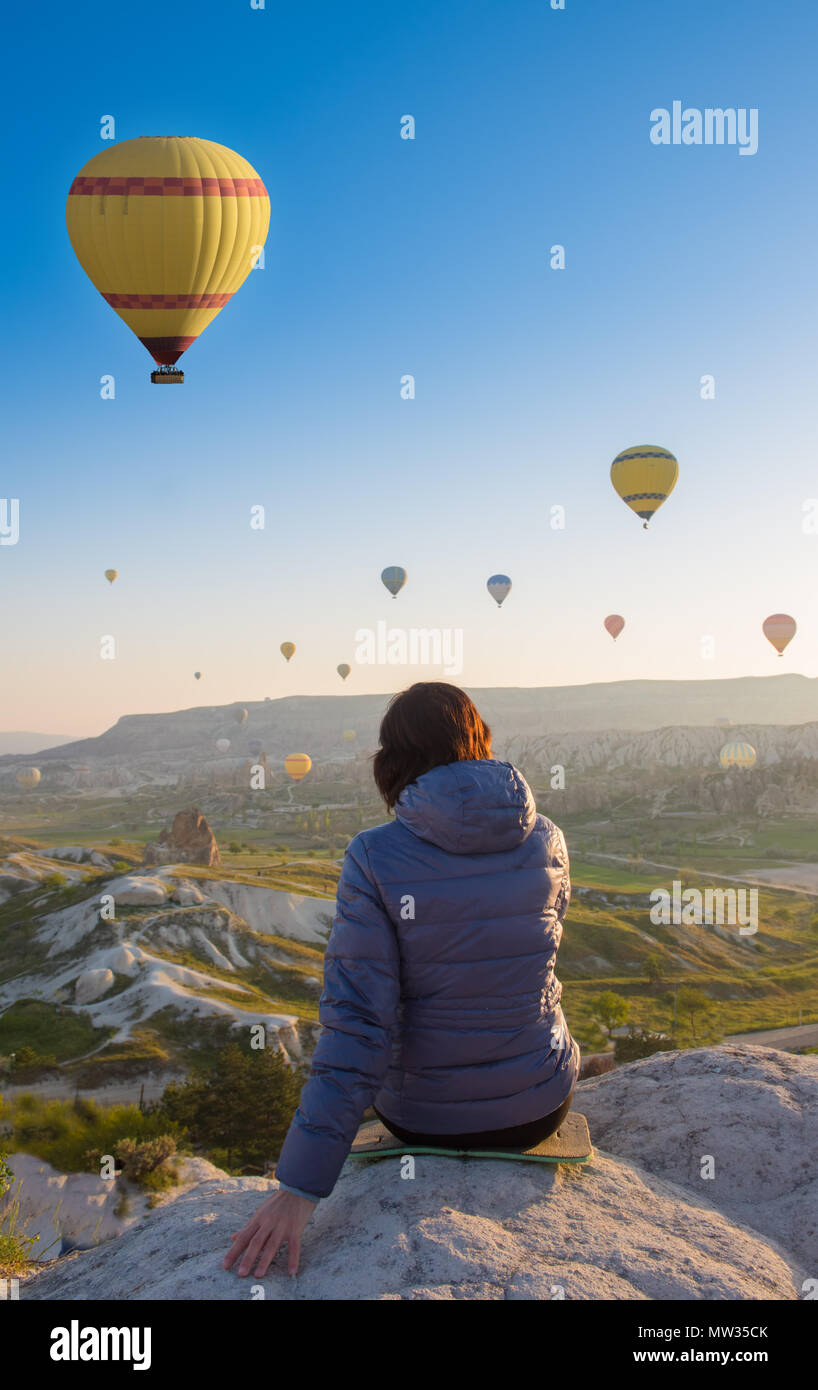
167, 374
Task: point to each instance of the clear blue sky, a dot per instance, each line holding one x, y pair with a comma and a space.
429, 257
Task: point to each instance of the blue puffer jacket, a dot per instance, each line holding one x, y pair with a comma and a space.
440, 1002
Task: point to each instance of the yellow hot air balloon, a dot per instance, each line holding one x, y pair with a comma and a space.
111, 575
737, 754
350, 735
287, 650
644, 477
167, 228
298, 765
28, 777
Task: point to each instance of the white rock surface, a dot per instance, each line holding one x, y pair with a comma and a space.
495, 1230
91, 984
754, 1110
138, 890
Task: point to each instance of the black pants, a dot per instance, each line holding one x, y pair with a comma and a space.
516, 1137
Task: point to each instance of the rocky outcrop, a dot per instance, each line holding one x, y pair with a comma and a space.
486, 1229
189, 841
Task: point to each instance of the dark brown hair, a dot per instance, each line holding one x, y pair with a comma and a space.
429, 724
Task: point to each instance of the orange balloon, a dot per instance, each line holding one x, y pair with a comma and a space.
614, 625
779, 629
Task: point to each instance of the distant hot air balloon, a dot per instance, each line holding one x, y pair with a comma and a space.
343, 670
350, 735
394, 578
779, 629
240, 715
111, 575
197, 675
738, 754
222, 744
167, 228
644, 476
614, 624
28, 777
287, 650
297, 765
722, 720
499, 586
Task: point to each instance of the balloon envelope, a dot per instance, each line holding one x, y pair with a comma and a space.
737, 754
350, 735
499, 586
222, 744
167, 228
644, 476
111, 575
287, 650
28, 777
297, 765
614, 624
343, 670
197, 675
779, 629
240, 715
394, 578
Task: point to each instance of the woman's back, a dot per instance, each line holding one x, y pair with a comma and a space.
475, 884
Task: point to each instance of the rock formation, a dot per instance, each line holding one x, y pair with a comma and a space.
486, 1229
189, 841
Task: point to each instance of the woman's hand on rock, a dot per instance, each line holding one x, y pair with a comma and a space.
280, 1220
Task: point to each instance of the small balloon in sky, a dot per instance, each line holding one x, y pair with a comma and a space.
779, 629
644, 476
343, 670
614, 624
287, 650
499, 586
297, 765
197, 675
394, 578
111, 575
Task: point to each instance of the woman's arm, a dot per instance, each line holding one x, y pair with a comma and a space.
358, 1013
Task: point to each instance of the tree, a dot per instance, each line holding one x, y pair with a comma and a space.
242, 1104
694, 1004
611, 1010
653, 968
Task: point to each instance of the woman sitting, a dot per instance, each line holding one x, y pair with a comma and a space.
440, 1005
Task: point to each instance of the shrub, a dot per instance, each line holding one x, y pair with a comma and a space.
642, 1043
597, 1065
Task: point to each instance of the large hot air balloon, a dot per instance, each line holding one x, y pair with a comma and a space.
779, 629
644, 477
287, 650
614, 624
499, 586
111, 575
738, 754
197, 675
297, 765
394, 578
240, 715
343, 670
222, 744
28, 777
167, 228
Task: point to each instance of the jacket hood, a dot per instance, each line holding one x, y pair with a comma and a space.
479, 807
